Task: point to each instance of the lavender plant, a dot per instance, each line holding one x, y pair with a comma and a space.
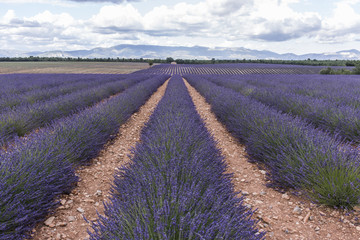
231, 69
295, 154
21, 120
12, 84
77, 82
36, 170
330, 111
175, 186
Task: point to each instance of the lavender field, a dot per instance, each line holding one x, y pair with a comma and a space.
231, 69
299, 127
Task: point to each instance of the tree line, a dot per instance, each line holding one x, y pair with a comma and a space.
311, 62
341, 71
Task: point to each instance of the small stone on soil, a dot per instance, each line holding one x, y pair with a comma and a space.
58, 236
80, 210
61, 224
322, 214
49, 221
262, 193
288, 230
266, 219
297, 210
285, 196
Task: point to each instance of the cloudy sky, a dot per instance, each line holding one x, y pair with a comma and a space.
298, 26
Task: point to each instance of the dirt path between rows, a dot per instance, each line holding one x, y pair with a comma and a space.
282, 216
95, 181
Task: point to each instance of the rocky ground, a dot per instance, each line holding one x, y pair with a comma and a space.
83, 203
282, 216
71, 67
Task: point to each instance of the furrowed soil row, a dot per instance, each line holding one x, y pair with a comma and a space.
282, 216
71, 67
86, 200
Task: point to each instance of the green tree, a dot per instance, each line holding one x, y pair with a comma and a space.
326, 71
357, 69
169, 60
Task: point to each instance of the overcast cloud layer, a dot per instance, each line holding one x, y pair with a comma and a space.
113, 1
277, 25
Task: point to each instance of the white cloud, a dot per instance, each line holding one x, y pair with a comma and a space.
343, 25
52, 2
113, 1
10, 15
344, 16
121, 16
177, 18
23, 1
42, 31
234, 20
214, 21
277, 21
59, 20
227, 7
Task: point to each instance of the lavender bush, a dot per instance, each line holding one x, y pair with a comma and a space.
324, 105
36, 170
76, 83
175, 186
295, 154
21, 120
22, 83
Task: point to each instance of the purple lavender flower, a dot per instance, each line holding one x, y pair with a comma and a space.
175, 186
36, 170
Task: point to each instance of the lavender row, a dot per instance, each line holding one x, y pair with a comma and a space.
295, 154
340, 90
22, 83
24, 119
176, 186
343, 120
10, 101
231, 69
35, 171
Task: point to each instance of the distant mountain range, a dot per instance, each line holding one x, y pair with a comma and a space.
162, 52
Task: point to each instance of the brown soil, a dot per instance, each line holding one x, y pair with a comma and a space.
282, 216
71, 67
95, 181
